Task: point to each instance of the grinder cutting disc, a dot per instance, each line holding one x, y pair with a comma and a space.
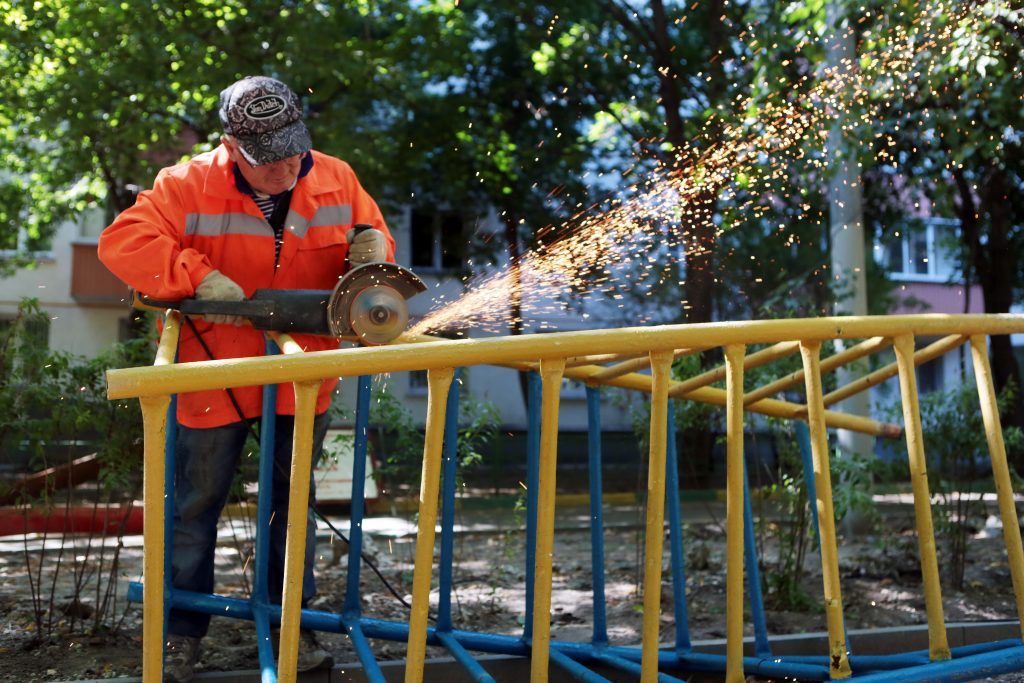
378, 314
369, 302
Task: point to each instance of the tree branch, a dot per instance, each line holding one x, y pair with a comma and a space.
639, 29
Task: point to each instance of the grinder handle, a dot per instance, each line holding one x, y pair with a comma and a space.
360, 227
247, 308
356, 229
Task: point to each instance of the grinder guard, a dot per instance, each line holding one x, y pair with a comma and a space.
369, 302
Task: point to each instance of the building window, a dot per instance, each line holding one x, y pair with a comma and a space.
923, 253
438, 242
418, 382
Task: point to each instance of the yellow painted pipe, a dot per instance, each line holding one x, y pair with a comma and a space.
734, 366
234, 372
928, 353
551, 372
288, 346
598, 359
1000, 469
168, 345
754, 360
298, 516
154, 430
766, 406
661, 369
829, 364
635, 364
938, 647
839, 663
438, 383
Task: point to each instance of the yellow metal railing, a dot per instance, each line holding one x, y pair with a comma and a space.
585, 356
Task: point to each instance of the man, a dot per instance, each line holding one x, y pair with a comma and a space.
263, 210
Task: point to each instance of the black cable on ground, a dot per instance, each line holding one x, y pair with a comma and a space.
255, 435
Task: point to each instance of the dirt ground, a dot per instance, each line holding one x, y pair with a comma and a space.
880, 582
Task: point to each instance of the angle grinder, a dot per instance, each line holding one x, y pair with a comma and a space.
368, 304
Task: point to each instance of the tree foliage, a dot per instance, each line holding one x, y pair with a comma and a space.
951, 133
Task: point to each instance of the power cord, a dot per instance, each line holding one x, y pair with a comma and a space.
280, 470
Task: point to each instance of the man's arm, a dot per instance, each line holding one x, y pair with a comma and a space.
365, 211
143, 246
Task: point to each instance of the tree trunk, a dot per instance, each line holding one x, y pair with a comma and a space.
994, 271
998, 287
698, 228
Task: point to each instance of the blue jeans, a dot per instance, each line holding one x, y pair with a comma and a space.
205, 463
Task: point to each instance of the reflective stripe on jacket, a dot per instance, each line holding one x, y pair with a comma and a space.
195, 220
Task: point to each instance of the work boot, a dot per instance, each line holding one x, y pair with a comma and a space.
180, 657
311, 654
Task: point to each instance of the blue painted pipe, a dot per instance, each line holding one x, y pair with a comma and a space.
600, 636
264, 646
351, 605
630, 666
982, 665
264, 502
462, 656
896, 660
762, 648
575, 669
264, 506
448, 469
703, 662
365, 654
239, 608
803, 438
675, 536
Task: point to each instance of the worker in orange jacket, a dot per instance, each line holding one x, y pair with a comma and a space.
263, 210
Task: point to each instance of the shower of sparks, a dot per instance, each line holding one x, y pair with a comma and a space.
620, 243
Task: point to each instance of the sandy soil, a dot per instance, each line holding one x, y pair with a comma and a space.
881, 587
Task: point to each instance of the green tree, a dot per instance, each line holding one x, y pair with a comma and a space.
97, 96
951, 132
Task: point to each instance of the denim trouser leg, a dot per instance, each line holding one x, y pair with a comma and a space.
279, 518
205, 464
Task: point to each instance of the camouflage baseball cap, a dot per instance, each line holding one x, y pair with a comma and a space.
265, 116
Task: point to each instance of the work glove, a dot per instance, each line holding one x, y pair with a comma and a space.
368, 246
219, 287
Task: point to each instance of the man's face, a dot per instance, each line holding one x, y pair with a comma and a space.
273, 178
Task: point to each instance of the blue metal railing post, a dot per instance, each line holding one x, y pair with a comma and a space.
351, 608
600, 637
264, 507
762, 648
803, 438
675, 536
532, 483
448, 470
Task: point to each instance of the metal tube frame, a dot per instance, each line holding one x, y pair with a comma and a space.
938, 663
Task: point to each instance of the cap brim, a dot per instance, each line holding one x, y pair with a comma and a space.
266, 148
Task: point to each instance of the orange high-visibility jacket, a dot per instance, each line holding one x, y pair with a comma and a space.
195, 220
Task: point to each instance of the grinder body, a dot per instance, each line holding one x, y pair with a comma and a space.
369, 302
